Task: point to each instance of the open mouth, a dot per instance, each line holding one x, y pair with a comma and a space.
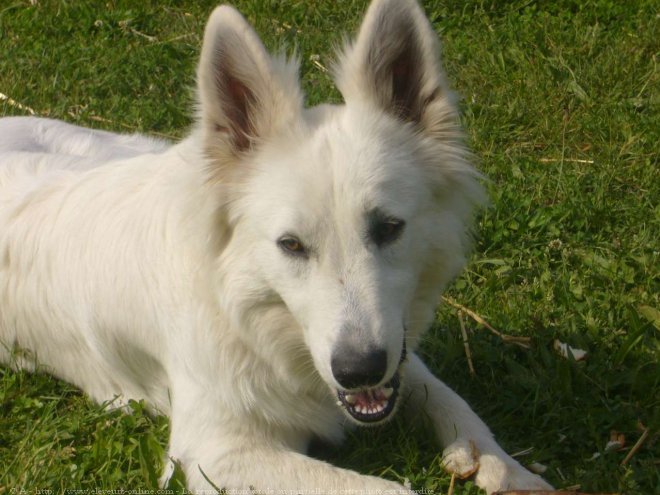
371, 405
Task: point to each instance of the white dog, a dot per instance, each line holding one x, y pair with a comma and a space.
260, 281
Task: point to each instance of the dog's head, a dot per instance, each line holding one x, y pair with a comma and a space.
351, 217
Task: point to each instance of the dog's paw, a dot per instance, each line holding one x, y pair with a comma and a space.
498, 474
494, 471
461, 458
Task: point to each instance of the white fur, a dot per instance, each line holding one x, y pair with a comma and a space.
140, 270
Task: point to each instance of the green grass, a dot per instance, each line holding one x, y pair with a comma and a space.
560, 102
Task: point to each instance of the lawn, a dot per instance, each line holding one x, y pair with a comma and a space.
560, 102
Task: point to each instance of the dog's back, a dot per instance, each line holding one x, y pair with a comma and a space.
35, 151
57, 181
56, 138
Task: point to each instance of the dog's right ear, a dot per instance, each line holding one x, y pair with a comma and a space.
245, 95
394, 63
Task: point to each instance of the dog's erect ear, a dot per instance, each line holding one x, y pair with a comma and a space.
394, 61
245, 95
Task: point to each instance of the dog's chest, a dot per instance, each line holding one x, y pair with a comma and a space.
278, 400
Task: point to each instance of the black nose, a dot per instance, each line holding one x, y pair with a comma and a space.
354, 369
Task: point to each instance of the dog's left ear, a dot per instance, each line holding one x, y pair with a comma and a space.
245, 94
395, 62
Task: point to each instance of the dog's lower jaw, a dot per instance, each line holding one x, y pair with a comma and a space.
371, 406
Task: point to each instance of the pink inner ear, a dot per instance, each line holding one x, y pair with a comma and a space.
236, 101
406, 85
395, 62
237, 90
400, 68
238, 97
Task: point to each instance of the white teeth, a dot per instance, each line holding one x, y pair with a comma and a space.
370, 410
368, 402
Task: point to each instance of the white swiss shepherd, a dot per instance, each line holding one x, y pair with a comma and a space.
260, 281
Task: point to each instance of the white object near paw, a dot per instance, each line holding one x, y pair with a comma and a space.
496, 474
461, 458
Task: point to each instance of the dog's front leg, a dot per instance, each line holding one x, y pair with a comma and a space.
218, 450
266, 470
469, 444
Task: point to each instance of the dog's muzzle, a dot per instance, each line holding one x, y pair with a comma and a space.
373, 404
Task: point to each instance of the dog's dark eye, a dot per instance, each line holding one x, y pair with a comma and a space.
386, 231
292, 245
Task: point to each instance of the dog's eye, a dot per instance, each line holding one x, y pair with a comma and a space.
292, 245
386, 231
